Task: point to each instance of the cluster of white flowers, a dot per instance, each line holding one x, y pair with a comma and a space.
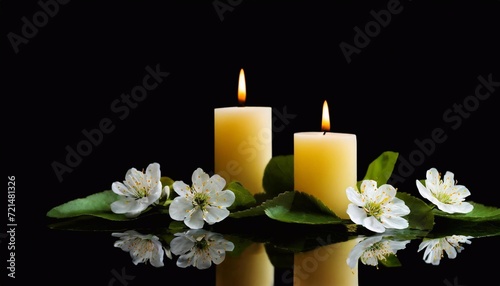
373, 249
378, 208
204, 201
196, 247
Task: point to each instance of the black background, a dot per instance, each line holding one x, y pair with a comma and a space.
393, 93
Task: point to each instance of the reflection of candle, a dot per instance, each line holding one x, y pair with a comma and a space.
325, 165
325, 266
251, 268
243, 141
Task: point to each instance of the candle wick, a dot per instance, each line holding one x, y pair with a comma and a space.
324, 133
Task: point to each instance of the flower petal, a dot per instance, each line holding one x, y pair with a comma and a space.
154, 194
182, 189
354, 196
194, 219
356, 214
215, 214
222, 198
394, 222
424, 192
129, 206
199, 178
462, 207
202, 260
185, 260
120, 189
368, 186
181, 245
157, 254
153, 174
397, 208
373, 224
179, 208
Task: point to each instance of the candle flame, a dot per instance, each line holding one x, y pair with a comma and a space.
242, 90
325, 122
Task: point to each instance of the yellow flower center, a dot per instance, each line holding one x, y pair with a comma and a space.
373, 209
201, 200
443, 197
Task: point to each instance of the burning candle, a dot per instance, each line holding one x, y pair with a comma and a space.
243, 141
325, 165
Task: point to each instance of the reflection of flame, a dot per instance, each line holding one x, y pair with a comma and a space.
325, 122
242, 90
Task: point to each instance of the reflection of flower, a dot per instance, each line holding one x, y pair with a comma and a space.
204, 201
199, 248
376, 208
373, 249
447, 196
142, 247
435, 248
138, 191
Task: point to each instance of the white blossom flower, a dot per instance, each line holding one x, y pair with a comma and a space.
199, 248
138, 191
142, 248
435, 248
373, 249
447, 196
204, 201
376, 208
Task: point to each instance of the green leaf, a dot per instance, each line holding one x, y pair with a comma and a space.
243, 198
447, 227
278, 175
390, 260
257, 210
292, 207
302, 208
97, 204
480, 213
421, 216
381, 169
